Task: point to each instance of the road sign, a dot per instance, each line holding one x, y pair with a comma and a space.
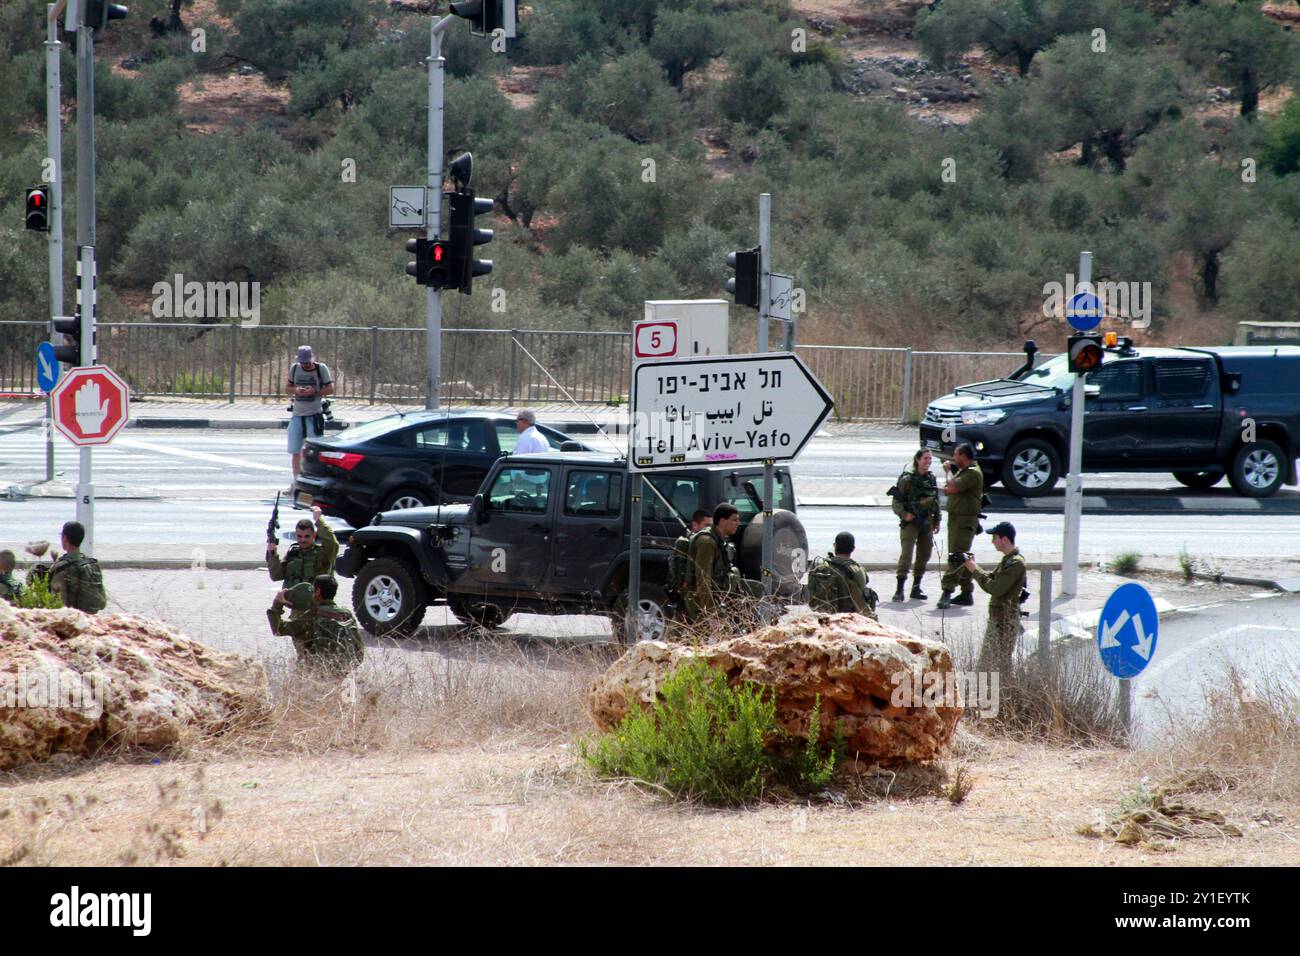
406, 207
1084, 311
655, 340
737, 409
1127, 630
781, 295
47, 367
91, 405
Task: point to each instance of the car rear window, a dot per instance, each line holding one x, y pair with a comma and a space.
1180, 378
597, 494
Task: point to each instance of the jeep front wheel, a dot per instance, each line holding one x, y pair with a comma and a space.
388, 597
1258, 470
652, 619
1031, 468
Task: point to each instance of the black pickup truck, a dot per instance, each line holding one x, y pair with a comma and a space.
1199, 413
550, 533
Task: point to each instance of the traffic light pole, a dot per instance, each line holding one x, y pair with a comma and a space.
1074, 478
86, 250
764, 304
433, 211
54, 145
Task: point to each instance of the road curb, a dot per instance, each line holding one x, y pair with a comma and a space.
179, 564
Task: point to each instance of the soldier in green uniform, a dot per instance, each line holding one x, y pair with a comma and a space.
839, 584
916, 503
325, 635
711, 572
76, 577
1004, 585
10, 589
313, 554
965, 490
682, 553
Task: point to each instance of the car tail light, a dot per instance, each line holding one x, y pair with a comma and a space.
347, 460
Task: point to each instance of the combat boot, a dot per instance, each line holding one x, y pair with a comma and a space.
917, 593
945, 600
898, 595
965, 599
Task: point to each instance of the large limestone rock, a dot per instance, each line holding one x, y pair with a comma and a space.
79, 683
848, 659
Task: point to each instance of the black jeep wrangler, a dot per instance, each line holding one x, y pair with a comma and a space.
549, 533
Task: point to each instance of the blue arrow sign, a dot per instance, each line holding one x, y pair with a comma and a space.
47, 367
1127, 630
1084, 311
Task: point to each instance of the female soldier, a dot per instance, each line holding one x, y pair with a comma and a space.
916, 503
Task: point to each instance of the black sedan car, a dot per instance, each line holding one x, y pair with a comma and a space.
409, 460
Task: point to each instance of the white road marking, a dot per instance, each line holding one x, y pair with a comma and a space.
197, 455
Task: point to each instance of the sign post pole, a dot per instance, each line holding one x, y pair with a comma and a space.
769, 580
764, 263
54, 148
1074, 478
633, 610
86, 263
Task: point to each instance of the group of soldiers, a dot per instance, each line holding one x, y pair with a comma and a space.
703, 570
74, 577
325, 635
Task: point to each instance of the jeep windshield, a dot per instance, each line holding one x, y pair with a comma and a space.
1054, 373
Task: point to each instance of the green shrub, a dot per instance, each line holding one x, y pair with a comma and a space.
1188, 564
706, 740
1126, 563
199, 383
36, 593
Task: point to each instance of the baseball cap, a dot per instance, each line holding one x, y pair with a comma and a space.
304, 353
1004, 529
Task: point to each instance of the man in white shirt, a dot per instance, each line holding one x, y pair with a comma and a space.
531, 441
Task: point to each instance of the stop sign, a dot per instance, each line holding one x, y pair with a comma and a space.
90, 405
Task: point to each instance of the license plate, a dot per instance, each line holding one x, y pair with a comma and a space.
933, 443
305, 499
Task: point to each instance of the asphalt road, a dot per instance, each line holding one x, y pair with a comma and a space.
212, 489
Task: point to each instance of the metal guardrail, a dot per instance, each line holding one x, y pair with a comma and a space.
488, 366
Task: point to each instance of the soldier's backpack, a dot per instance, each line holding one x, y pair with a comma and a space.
688, 567
336, 635
831, 590
898, 493
678, 562
83, 583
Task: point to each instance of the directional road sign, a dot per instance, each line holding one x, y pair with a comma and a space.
1084, 311
91, 405
1127, 630
733, 410
406, 207
47, 367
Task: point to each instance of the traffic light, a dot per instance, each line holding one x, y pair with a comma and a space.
744, 285
70, 352
38, 208
1084, 353
97, 13
462, 208
432, 262
485, 16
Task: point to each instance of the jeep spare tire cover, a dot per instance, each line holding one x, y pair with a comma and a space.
789, 548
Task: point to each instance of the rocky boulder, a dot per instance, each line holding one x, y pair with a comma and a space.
855, 664
79, 683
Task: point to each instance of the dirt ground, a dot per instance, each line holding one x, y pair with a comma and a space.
505, 805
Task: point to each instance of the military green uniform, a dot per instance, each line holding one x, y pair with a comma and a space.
10, 589
326, 634
842, 590
78, 582
918, 495
713, 574
300, 567
963, 519
1002, 632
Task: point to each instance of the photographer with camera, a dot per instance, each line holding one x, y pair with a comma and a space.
1005, 586
309, 382
965, 491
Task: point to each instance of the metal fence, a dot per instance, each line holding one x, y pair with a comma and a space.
487, 366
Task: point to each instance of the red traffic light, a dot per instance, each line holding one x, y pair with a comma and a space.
438, 252
1085, 353
38, 201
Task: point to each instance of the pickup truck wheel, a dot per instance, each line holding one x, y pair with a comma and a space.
388, 597
480, 613
1031, 468
404, 498
652, 622
1258, 470
1198, 479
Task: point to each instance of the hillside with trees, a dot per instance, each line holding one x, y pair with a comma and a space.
932, 166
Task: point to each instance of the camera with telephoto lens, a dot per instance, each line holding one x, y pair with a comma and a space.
960, 557
326, 410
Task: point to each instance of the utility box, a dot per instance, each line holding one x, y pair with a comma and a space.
681, 328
